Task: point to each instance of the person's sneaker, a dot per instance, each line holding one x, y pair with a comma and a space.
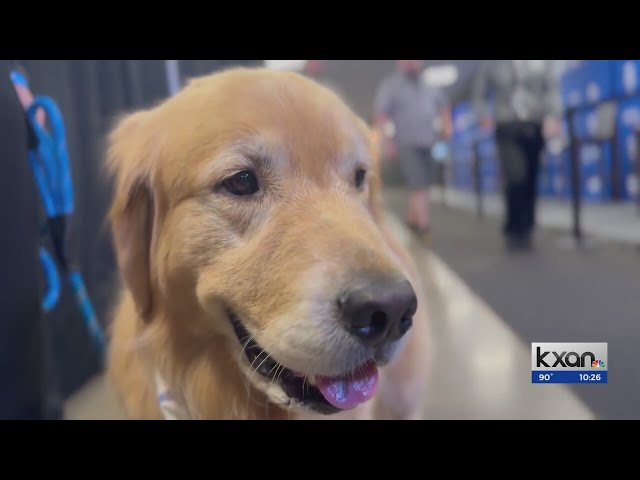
519, 243
424, 236
410, 226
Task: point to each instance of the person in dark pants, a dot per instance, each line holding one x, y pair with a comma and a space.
526, 109
520, 145
25, 388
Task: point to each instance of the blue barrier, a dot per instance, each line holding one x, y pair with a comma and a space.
626, 77
572, 86
488, 158
598, 81
596, 166
628, 124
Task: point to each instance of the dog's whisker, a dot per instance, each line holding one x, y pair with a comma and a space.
247, 386
306, 376
251, 371
261, 363
361, 365
277, 366
281, 372
247, 378
248, 341
304, 384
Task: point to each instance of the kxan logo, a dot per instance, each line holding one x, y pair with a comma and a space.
569, 362
570, 359
575, 356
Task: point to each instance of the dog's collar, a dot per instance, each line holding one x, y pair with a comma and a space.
170, 407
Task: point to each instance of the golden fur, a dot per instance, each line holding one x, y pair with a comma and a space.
187, 251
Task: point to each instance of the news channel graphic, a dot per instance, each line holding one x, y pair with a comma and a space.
569, 363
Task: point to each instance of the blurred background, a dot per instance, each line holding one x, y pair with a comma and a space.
578, 280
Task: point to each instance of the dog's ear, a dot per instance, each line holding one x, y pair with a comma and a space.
131, 160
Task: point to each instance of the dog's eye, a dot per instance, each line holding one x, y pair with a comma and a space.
243, 183
360, 175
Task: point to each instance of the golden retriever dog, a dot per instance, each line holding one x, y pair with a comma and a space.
260, 280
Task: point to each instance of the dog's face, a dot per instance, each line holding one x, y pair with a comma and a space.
245, 209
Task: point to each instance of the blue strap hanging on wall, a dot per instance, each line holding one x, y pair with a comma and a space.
52, 172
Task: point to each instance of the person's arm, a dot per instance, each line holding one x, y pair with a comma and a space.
383, 105
382, 118
447, 123
445, 115
480, 91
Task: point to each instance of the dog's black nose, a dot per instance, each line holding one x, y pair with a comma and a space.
379, 312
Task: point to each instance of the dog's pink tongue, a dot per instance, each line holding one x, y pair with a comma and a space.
351, 390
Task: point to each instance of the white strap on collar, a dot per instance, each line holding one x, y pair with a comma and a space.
171, 409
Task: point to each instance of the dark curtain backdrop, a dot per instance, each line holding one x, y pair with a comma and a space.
90, 94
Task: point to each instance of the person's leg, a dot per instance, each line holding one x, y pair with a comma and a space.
419, 207
22, 355
411, 215
414, 169
513, 175
520, 200
532, 145
427, 163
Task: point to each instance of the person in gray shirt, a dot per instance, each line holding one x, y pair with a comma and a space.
420, 116
526, 108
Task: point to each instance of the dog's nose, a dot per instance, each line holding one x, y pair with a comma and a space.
379, 312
